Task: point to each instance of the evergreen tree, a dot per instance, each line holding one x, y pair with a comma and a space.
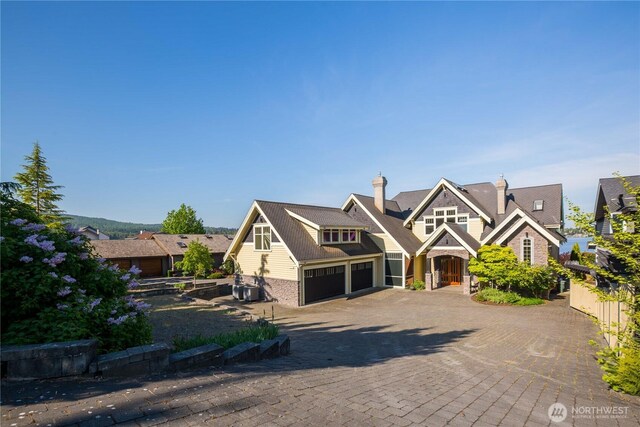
576, 253
36, 186
183, 221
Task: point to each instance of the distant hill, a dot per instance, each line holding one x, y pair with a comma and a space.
121, 230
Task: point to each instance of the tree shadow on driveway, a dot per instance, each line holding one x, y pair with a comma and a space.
323, 346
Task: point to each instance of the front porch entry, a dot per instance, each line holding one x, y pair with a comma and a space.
450, 271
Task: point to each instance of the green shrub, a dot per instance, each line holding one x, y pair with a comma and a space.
54, 289
622, 372
216, 275
419, 285
227, 267
227, 340
181, 286
497, 296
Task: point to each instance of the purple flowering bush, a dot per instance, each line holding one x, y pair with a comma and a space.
54, 289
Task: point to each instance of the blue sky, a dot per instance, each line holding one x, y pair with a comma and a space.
142, 106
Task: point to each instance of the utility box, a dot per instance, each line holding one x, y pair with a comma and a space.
238, 292
251, 293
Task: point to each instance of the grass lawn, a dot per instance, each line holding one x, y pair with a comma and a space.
497, 296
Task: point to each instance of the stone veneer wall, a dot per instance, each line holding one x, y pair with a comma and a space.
540, 245
278, 290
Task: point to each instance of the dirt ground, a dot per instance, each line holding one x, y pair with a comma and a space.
173, 316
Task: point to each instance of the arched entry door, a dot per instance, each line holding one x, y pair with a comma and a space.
450, 271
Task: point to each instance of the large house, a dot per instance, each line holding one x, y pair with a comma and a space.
612, 200
299, 254
92, 233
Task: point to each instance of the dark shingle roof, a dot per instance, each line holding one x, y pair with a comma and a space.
112, 249
325, 217
466, 237
392, 221
216, 243
551, 195
408, 200
609, 191
301, 244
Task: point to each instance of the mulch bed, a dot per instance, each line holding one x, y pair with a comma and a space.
173, 316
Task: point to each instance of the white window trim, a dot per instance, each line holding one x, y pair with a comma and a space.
444, 215
261, 226
340, 231
522, 239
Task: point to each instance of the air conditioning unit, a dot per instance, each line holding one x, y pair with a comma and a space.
238, 292
251, 293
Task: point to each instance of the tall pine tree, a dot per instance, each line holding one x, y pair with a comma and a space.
36, 186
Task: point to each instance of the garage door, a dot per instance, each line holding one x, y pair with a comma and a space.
361, 276
123, 264
322, 283
151, 267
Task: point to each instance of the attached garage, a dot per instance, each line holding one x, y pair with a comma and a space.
323, 283
361, 276
151, 267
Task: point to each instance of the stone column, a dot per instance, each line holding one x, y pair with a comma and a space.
466, 284
428, 281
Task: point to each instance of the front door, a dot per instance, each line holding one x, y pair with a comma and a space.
450, 271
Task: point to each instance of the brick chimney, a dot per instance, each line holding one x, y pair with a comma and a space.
379, 184
501, 186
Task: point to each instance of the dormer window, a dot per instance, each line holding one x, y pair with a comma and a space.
339, 235
538, 205
262, 237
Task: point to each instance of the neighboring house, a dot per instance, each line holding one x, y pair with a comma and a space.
92, 233
144, 254
612, 199
157, 255
145, 235
300, 254
175, 245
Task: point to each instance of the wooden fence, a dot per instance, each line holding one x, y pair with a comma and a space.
611, 315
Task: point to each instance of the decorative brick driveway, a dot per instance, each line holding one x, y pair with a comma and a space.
388, 358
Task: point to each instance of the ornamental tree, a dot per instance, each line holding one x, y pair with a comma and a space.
183, 221
197, 260
576, 253
36, 187
622, 363
493, 265
55, 289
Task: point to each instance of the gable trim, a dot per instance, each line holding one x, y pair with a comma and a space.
512, 215
438, 233
354, 199
534, 225
303, 220
434, 191
244, 227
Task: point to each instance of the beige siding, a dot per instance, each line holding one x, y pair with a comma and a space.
312, 232
384, 242
475, 227
275, 263
418, 230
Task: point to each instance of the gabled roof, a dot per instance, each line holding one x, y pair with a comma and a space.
323, 217
296, 239
391, 221
511, 221
551, 195
459, 191
111, 249
464, 238
216, 243
609, 192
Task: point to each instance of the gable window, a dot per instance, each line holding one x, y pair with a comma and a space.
442, 215
538, 205
262, 237
462, 222
527, 254
349, 236
429, 225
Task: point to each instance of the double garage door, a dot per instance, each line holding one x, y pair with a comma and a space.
327, 282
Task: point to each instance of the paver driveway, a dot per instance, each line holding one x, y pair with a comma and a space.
388, 358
